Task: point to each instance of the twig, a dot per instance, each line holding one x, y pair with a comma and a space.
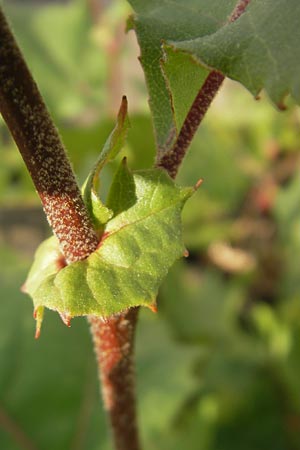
38, 141
171, 160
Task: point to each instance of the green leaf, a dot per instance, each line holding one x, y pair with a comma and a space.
122, 192
183, 78
99, 213
173, 80
179, 41
138, 246
261, 49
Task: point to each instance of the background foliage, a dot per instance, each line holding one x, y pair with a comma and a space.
218, 367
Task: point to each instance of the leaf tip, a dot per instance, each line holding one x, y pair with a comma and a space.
66, 318
153, 307
123, 109
186, 253
281, 106
38, 315
37, 332
198, 184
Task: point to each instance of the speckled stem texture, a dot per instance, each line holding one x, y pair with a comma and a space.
114, 345
171, 160
25, 113
38, 141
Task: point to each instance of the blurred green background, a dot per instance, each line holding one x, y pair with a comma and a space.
218, 367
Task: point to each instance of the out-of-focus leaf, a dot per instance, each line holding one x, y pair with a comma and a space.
200, 307
58, 46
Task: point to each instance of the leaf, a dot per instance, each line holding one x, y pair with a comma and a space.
137, 248
183, 78
99, 213
122, 192
261, 49
173, 81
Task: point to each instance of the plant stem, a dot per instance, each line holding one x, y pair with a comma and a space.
114, 346
31, 126
172, 159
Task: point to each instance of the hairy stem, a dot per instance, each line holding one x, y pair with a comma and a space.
25, 113
171, 160
114, 346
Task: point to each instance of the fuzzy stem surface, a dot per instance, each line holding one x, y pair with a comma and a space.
37, 138
114, 348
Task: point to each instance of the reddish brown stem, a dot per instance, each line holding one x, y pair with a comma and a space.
38, 141
171, 160
114, 344
25, 113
